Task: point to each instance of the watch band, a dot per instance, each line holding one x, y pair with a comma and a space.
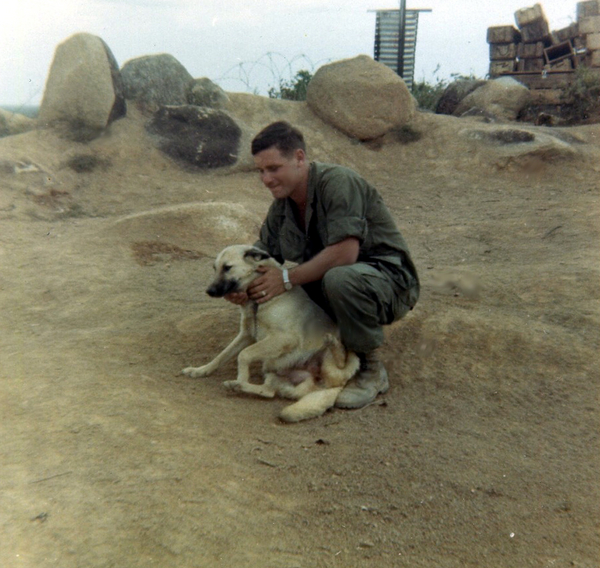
286, 280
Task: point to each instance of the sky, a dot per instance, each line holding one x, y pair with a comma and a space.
249, 45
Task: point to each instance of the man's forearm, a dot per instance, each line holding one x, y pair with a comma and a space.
340, 254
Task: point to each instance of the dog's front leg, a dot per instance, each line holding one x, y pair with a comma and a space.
241, 341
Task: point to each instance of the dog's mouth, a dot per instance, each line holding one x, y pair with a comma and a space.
221, 288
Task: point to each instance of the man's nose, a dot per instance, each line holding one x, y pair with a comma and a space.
266, 177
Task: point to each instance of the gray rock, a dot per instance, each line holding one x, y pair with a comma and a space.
454, 93
198, 136
361, 97
503, 98
14, 123
84, 91
203, 92
153, 81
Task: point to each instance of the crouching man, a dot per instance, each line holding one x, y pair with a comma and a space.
352, 259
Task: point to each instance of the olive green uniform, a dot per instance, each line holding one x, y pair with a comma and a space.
381, 287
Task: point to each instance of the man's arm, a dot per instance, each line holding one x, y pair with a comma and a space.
271, 282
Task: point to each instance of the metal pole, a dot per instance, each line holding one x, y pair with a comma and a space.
401, 37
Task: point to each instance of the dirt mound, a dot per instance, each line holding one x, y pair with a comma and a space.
203, 227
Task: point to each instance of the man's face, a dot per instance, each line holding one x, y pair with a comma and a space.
284, 176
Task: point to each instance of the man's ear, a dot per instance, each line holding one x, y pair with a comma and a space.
256, 255
300, 155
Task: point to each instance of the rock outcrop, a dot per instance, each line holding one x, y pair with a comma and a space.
198, 136
455, 92
203, 92
361, 97
503, 98
152, 81
84, 92
14, 123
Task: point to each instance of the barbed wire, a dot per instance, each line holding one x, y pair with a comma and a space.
269, 70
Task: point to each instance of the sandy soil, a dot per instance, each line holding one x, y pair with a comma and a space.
484, 453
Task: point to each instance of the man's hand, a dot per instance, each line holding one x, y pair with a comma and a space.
267, 286
237, 298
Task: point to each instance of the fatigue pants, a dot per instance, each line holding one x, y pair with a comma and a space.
362, 298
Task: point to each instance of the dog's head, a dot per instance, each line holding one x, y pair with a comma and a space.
235, 267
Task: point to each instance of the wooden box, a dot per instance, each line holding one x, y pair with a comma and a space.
579, 44
559, 52
530, 65
593, 59
562, 65
501, 67
503, 34
531, 50
501, 51
592, 42
586, 9
589, 25
527, 16
570, 32
537, 31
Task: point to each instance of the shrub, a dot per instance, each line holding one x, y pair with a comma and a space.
293, 90
583, 94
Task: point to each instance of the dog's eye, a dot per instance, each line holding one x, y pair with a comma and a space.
226, 267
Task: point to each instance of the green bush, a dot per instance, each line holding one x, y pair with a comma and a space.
428, 94
293, 90
583, 94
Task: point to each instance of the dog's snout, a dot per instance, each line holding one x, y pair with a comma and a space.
220, 288
212, 292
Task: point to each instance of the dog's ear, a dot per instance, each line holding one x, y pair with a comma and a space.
255, 254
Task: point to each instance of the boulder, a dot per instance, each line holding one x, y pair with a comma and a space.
14, 123
503, 98
454, 93
153, 81
84, 91
203, 92
198, 136
361, 97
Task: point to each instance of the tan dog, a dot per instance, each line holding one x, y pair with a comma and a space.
296, 341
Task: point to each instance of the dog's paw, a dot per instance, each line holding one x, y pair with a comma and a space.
196, 372
233, 386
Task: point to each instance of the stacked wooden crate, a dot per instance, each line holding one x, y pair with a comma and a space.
503, 41
534, 48
588, 18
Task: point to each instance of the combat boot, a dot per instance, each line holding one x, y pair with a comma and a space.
371, 380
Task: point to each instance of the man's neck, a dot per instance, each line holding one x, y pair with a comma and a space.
300, 194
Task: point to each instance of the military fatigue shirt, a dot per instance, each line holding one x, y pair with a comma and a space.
340, 204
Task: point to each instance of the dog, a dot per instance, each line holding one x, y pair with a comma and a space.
296, 341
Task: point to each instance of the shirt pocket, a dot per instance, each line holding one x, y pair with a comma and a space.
292, 243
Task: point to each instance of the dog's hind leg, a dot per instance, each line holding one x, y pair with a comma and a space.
266, 390
338, 366
310, 406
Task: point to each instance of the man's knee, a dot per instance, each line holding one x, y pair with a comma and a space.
338, 282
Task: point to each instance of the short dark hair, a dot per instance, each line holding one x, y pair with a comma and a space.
282, 135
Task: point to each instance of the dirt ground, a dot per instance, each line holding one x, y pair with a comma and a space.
483, 454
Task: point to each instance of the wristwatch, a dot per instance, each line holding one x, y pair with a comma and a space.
286, 280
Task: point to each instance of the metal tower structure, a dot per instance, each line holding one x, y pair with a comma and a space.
394, 28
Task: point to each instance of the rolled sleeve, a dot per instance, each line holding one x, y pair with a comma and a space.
345, 227
344, 205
